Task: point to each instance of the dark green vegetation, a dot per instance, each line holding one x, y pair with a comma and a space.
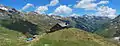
110, 29
18, 23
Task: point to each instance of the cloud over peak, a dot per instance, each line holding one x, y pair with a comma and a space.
74, 15
41, 9
99, 7
103, 2
89, 4
106, 11
63, 9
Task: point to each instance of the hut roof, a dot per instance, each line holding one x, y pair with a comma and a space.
63, 24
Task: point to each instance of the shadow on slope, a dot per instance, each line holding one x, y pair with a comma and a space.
21, 26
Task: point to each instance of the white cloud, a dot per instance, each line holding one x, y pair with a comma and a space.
50, 14
27, 6
89, 4
103, 2
53, 3
106, 11
63, 10
86, 4
100, 11
41, 9
74, 15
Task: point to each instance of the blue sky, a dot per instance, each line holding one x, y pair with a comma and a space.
79, 9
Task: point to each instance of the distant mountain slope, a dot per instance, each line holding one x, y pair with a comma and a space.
88, 23
110, 29
43, 22
18, 23
30, 22
72, 37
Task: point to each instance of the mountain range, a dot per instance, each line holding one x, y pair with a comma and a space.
86, 30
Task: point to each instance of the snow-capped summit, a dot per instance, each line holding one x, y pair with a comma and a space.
8, 9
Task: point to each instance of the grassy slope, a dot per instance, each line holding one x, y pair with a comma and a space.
72, 37
10, 38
